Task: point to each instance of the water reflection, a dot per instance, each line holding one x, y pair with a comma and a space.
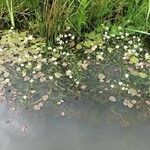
46, 131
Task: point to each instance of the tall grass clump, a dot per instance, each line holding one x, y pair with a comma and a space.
50, 17
10, 11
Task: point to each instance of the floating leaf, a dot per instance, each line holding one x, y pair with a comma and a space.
101, 76
45, 97
142, 74
6, 74
134, 60
133, 92
112, 98
88, 43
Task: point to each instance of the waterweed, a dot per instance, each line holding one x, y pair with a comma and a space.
70, 60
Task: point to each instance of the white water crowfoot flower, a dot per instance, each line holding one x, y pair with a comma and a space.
51, 77
127, 75
69, 73
58, 75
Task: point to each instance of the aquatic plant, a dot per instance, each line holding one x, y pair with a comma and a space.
117, 59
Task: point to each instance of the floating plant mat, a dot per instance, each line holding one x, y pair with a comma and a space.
110, 70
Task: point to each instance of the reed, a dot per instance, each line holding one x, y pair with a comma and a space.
50, 17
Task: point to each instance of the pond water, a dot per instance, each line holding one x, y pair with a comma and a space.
90, 122
23, 129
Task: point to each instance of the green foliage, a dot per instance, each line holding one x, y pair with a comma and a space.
49, 18
118, 62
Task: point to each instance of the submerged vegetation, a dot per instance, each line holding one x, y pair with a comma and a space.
76, 45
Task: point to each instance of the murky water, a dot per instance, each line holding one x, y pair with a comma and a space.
22, 129
90, 122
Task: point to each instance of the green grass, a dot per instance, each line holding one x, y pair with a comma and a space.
49, 18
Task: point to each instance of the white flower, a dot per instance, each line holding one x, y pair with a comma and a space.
127, 75
70, 77
54, 50
64, 53
30, 37
139, 39
49, 48
18, 69
25, 40
67, 54
27, 55
133, 50
24, 97
40, 55
119, 28
38, 67
135, 46
147, 56
107, 28
55, 63
117, 46
125, 102
62, 101
130, 42
122, 37
61, 42
83, 87
61, 35
62, 113
134, 37
68, 28
65, 35
73, 37
51, 77
147, 103
59, 103
44, 60
94, 48
113, 35
7, 80
31, 81
57, 39
108, 37
57, 75
120, 83
120, 33
68, 72
53, 59
1, 49
19, 60
123, 88
60, 47
22, 65
69, 34
125, 47
11, 28
112, 86
141, 49
35, 57
29, 63
64, 64
33, 72
126, 34
77, 82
